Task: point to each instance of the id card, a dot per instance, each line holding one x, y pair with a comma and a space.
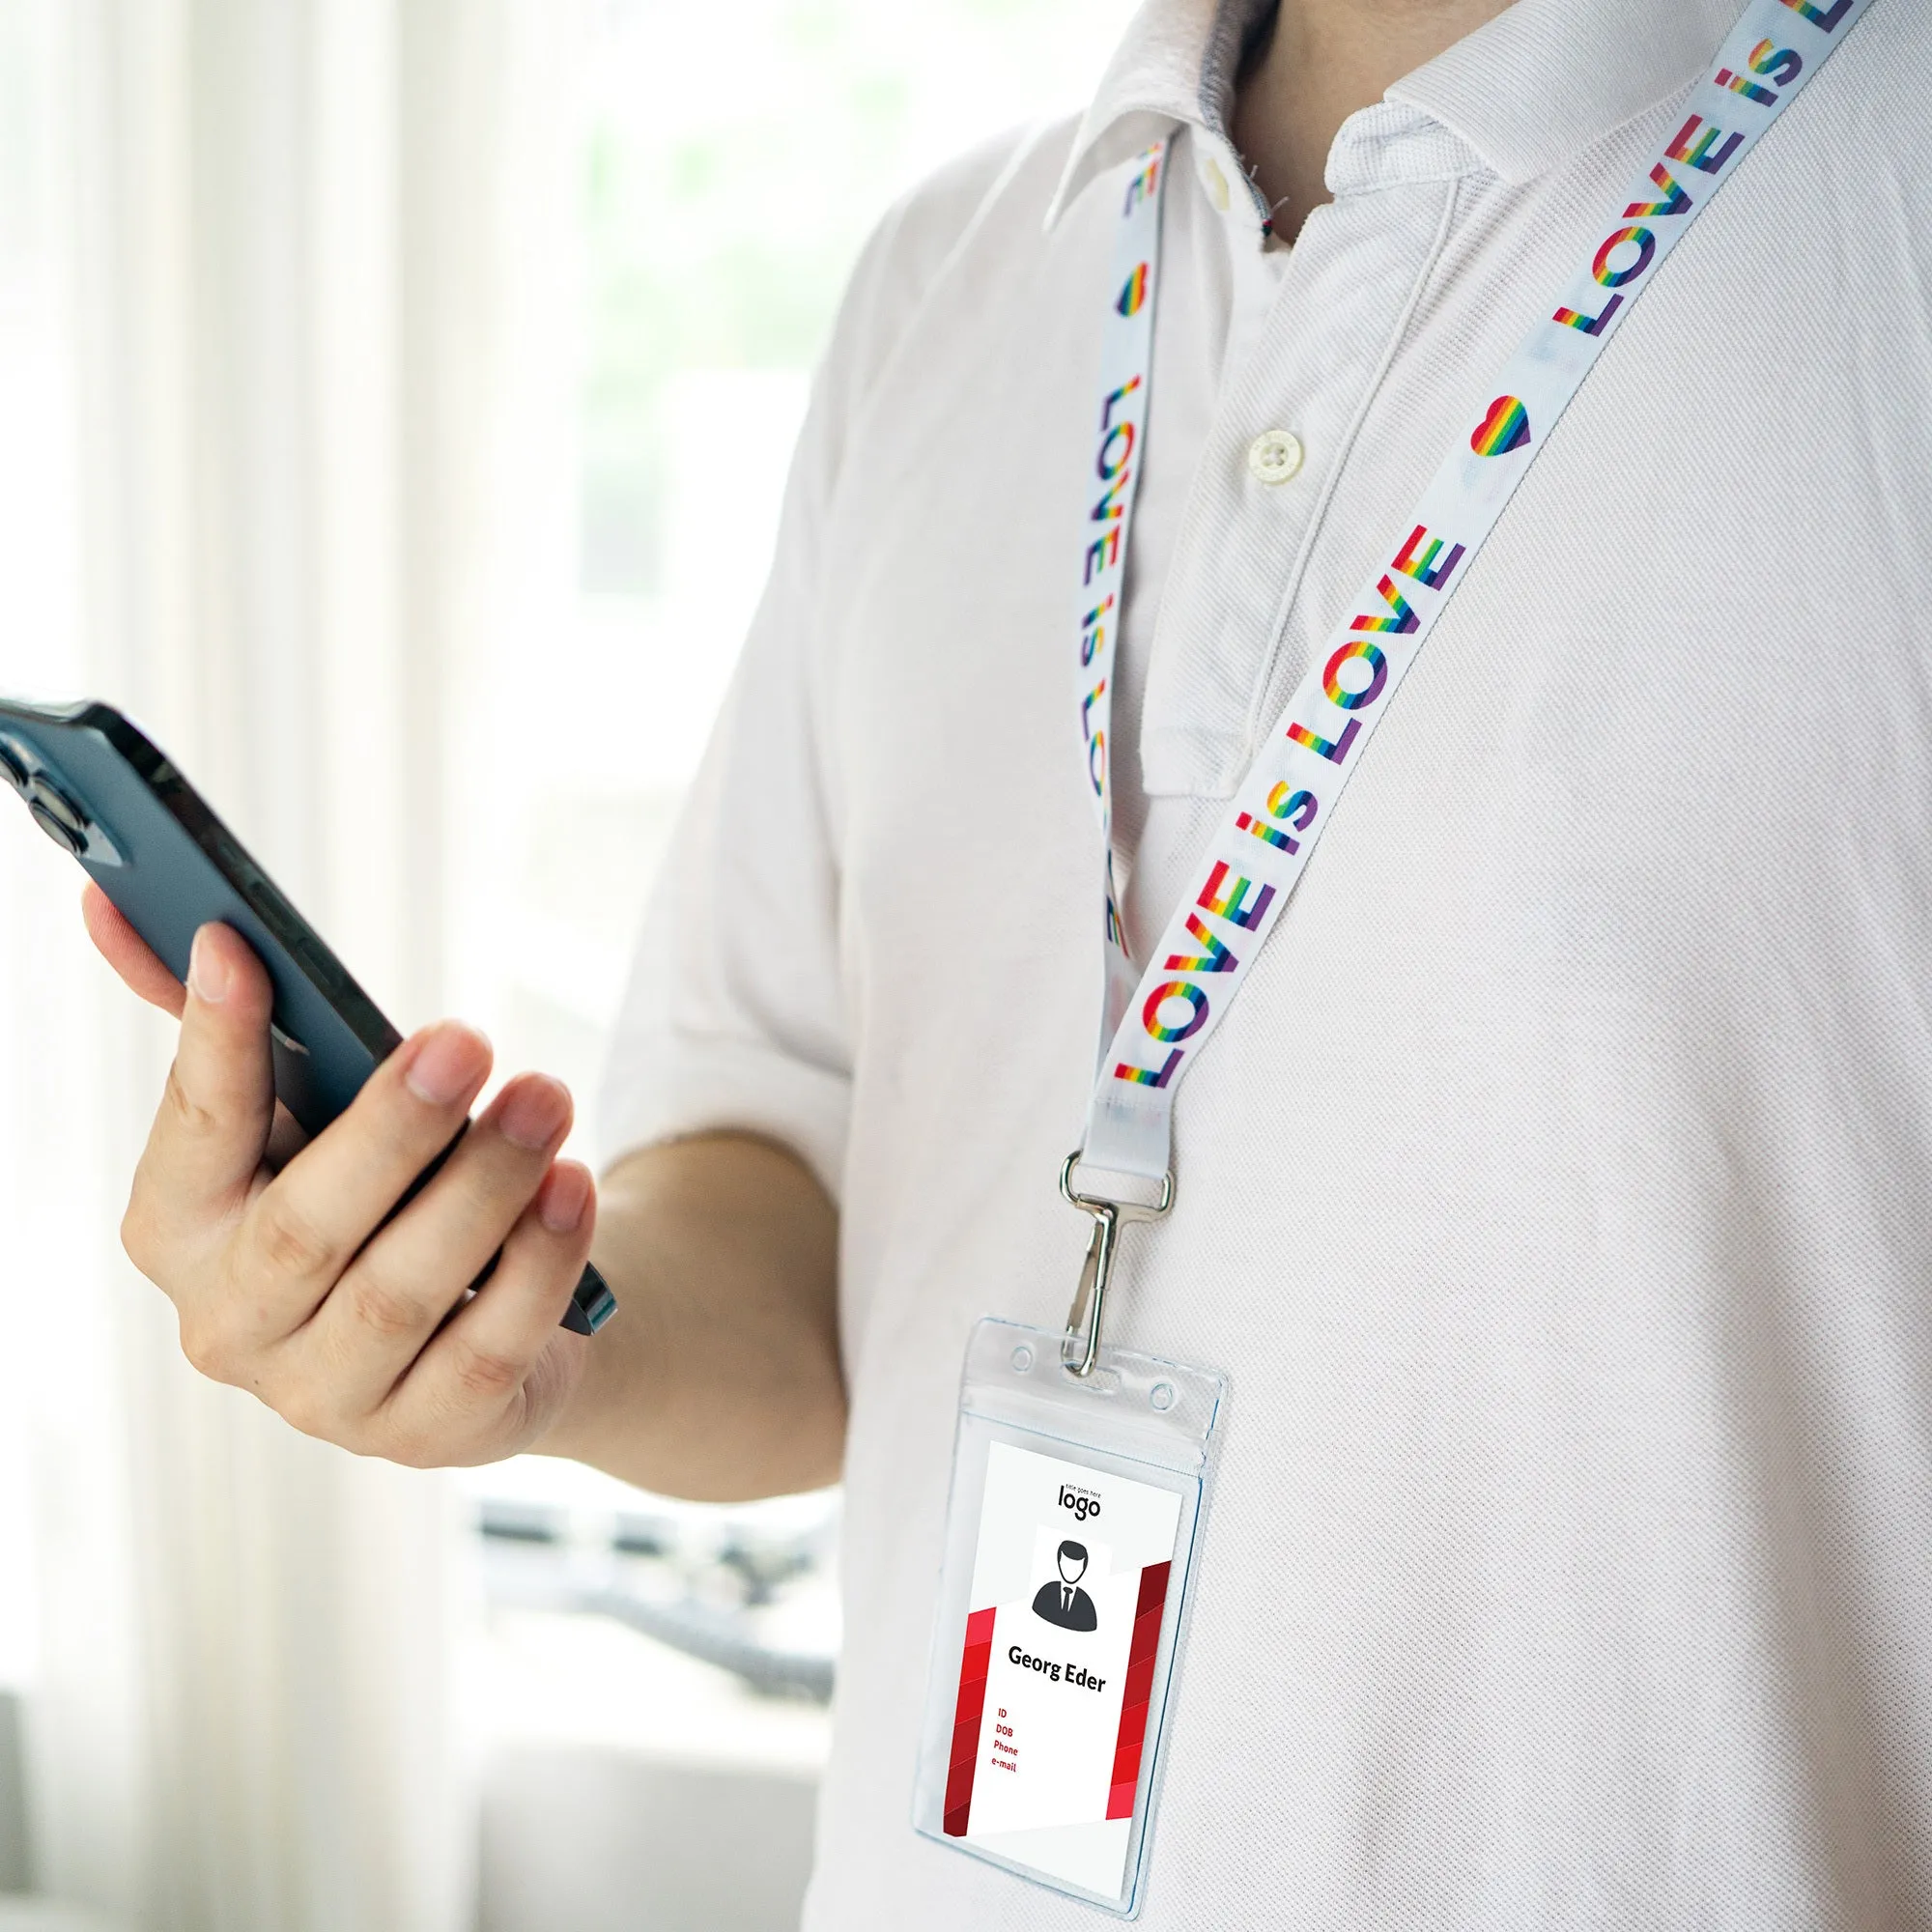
1074, 1508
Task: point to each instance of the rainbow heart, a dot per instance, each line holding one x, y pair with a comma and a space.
1505, 428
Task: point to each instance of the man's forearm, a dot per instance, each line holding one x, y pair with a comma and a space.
720, 1378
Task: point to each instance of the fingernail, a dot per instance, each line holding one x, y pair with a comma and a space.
566, 1193
449, 1062
534, 1114
208, 974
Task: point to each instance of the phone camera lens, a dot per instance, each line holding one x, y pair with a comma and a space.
58, 816
11, 769
73, 843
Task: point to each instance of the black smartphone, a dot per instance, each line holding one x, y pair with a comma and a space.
103, 793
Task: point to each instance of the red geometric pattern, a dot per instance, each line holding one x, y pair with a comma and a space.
1139, 1691
973, 1668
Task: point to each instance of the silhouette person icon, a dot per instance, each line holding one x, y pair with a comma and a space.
1066, 1602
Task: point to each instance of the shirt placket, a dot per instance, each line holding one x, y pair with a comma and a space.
1300, 370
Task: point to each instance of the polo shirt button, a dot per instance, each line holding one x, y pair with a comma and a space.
1215, 181
1275, 456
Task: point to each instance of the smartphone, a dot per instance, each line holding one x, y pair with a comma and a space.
105, 794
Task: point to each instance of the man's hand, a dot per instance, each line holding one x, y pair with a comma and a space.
275, 1252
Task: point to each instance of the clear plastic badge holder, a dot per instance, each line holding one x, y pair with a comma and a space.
1070, 1535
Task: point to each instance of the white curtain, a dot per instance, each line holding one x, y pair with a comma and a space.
312, 401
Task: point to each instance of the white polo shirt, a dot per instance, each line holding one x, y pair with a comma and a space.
1556, 1193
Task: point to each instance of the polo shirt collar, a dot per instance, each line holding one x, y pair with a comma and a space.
1537, 84
1176, 66
1544, 79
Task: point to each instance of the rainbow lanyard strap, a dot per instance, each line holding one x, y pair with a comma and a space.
1154, 1021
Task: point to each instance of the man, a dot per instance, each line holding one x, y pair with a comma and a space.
1555, 1195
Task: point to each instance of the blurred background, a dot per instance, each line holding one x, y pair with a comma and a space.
395, 402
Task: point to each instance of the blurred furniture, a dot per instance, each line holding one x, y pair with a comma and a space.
39, 1915
14, 1868
20, 1913
598, 1839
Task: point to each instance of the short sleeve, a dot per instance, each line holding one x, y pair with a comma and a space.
735, 1016
732, 1016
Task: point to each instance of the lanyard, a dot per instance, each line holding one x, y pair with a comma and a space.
1154, 1021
